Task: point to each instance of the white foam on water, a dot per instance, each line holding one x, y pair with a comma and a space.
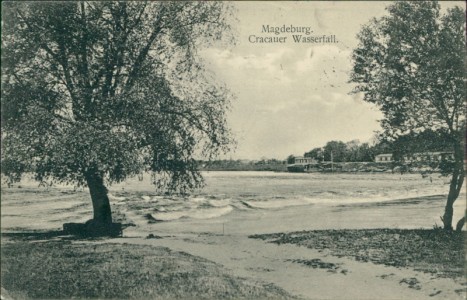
197, 199
220, 202
278, 203
210, 213
200, 213
175, 207
117, 198
331, 198
210, 206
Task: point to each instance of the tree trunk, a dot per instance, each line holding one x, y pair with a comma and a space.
460, 224
101, 223
455, 186
100, 200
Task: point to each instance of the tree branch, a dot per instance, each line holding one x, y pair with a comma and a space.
135, 69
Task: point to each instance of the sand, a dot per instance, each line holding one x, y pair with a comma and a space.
274, 264
256, 259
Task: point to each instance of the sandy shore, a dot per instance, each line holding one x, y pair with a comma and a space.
332, 278
226, 242
298, 271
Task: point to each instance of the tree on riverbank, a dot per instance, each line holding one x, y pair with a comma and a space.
94, 92
352, 151
411, 63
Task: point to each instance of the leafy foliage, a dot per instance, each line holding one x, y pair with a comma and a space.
290, 159
352, 151
411, 63
113, 88
426, 141
334, 150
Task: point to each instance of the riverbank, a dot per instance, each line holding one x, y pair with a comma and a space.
36, 266
325, 264
432, 251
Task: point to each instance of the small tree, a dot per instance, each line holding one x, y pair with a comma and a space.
316, 153
364, 153
411, 63
94, 92
335, 151
352, 151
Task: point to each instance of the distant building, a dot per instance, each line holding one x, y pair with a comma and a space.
429, 156
301, 164
300, 160
386, 157
422, 157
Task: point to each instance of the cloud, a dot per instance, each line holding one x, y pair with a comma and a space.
267, 66
302, 125
291, 99
321, 56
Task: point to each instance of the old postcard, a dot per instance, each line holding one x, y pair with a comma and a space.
233, 150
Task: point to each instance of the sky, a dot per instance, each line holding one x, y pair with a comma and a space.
292, 97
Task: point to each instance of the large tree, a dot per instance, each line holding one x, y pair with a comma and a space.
411, 63
94, 92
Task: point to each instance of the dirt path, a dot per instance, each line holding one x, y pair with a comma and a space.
305, 272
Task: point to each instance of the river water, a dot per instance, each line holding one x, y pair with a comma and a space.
245, 202
226, 192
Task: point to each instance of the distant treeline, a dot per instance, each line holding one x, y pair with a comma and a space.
372, 167
339, 167
243, 165
354, 151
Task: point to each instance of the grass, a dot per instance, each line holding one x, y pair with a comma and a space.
66, 269
431, 251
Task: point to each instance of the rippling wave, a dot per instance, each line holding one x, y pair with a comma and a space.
242, 191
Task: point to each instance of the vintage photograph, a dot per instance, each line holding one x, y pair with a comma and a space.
233, 150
